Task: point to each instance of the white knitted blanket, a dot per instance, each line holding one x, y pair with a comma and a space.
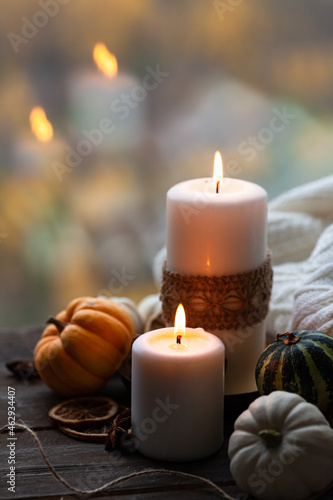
300, 236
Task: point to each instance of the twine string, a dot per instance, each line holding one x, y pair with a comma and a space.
114, 481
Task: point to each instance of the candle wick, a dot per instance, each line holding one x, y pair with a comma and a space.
179, 339
217, 186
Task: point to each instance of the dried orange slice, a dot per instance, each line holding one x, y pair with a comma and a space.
83, 412
92, 434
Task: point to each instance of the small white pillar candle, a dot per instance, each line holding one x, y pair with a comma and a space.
35, 155
177, 394
212, 233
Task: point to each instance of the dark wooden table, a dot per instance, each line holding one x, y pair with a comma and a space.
87, 465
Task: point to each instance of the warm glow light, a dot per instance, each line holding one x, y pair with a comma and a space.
40, 125
180, 322
218, 167
106, 62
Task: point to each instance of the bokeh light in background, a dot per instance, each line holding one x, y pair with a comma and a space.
83, 212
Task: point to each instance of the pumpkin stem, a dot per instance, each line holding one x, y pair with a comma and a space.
291, 338
270, 437
59, 324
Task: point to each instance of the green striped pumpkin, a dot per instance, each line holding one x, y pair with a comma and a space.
299, 362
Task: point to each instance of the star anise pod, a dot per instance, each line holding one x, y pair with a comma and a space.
120, 430
23, 369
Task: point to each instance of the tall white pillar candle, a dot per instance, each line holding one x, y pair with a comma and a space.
110, 102
213, 233
177, 394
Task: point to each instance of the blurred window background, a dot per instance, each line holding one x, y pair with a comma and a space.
89, 145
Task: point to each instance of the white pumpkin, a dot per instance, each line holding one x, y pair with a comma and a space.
148, 307
132, 310
281, 448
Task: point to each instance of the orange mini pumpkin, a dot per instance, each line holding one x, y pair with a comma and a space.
83, 346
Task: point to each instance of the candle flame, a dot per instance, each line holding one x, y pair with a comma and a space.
180, 322
105, 61
40, 125
218, 167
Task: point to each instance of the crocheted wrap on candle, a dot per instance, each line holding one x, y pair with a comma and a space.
218, 302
